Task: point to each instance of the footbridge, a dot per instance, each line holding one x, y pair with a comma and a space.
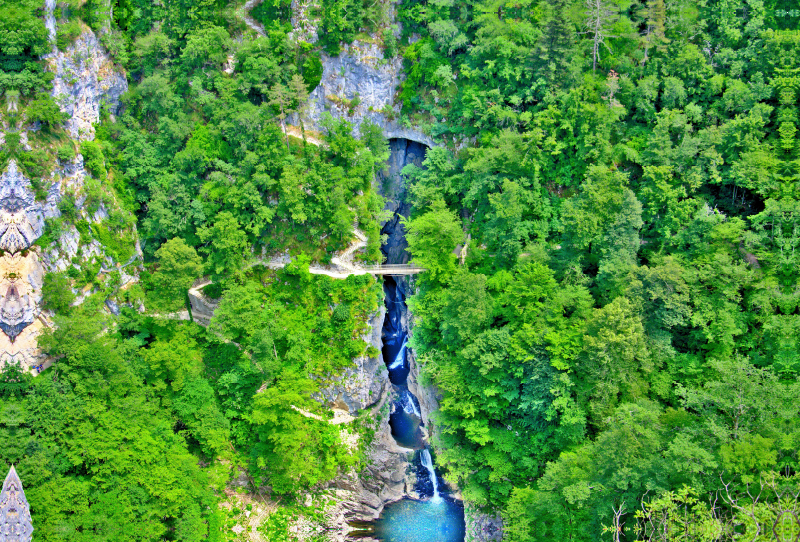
394, 269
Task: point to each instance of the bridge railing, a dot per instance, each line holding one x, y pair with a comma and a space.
394, 269
394, 266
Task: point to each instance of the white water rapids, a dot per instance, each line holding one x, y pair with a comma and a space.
409, 405
401, 356
427, 462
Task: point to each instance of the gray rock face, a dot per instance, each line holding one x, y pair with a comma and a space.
16, 313
112, 306
21, 216
15, 513
382, 481
21, 272
202, 307
21, 291
387, 476
361, 385
86, 78
21, 277
360, 70
427, 396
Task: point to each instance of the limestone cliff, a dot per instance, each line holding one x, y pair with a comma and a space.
360, 84
391, 185
364, 383
85, 79
386, 476
22, 220
21, 216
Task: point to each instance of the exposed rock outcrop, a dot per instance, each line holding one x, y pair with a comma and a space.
387, 476
21, 271
20, 316
21, 288
360, 84
85, 79
203, 307
15, 513
304, 24
427, 395
21, 216
361, 385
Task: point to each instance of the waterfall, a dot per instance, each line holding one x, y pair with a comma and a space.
420, 517
427, 462
414, 406
409, 405
401, 355
50, 20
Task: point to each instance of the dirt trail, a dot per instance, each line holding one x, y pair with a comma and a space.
311, 136
244, 13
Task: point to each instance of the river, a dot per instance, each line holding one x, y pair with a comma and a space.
436, 516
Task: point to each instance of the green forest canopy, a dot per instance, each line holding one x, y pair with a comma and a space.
627, 319
626, 322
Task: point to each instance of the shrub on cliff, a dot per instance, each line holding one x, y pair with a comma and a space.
57, 293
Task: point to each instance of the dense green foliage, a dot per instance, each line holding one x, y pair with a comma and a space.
141, 422
178, 267
98, 454
23, 38
623, 319
216, 168
105, 439
626, 319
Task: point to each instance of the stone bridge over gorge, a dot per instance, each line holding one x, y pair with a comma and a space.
394, 269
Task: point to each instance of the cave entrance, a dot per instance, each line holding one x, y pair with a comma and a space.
391, 185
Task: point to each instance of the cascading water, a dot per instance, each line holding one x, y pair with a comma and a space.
401, 356
410, 404
405, 418
427, 462
436, 516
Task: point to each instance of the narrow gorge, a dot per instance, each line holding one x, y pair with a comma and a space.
434, 514
426, 509
400, 487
